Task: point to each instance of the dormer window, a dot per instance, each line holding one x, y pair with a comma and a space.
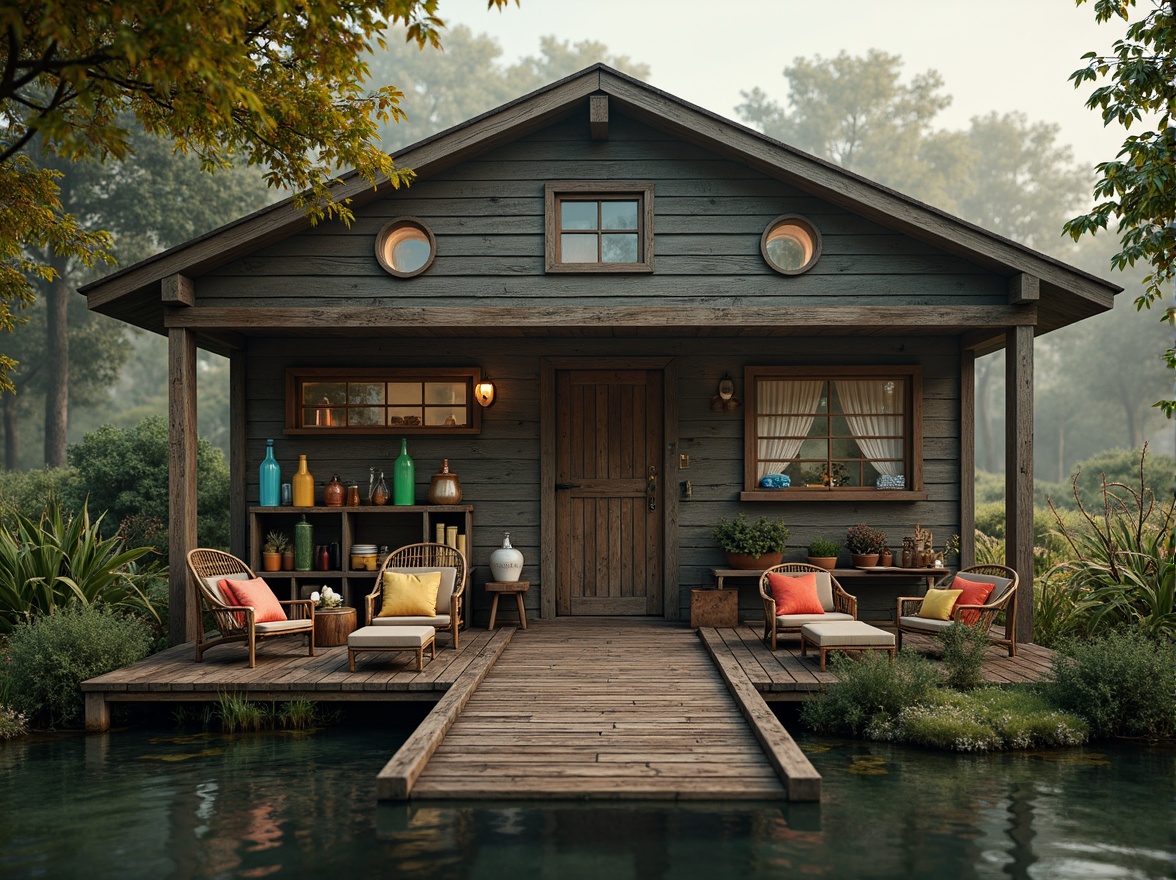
599, 227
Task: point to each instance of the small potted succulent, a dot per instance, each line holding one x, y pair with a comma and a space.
823, 553
752, 545
865, 543
271, 552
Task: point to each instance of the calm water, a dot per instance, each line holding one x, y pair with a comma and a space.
161, 805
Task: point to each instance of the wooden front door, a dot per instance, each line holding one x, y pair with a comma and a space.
608, 491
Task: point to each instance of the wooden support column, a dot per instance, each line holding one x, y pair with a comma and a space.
181, 379
967, 457
238, 455
1019, 471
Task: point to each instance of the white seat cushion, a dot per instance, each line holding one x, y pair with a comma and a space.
276, 626
924, 624
394, 637
444, 592
441, 621
846, 634
795, 621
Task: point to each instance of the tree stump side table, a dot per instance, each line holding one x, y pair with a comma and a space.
515, 588
332, 626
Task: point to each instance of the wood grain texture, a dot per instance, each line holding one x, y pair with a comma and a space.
1019, 472
181, 367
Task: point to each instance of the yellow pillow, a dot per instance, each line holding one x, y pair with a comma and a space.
937, 604
410, 595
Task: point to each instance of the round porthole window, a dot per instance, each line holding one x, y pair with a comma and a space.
405, 247
791, 245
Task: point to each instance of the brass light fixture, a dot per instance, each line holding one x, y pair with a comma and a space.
725, 401
484, 391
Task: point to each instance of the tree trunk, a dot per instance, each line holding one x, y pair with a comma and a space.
11, 435
57, 366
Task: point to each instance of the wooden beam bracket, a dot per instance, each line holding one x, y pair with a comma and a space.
598, 117
179, 290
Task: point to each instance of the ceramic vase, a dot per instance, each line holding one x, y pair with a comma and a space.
333, 493
444, 488
506, 563
270, 474
303, 485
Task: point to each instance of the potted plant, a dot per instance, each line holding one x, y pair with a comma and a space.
823, 553
271, 553
885, 557
752, 545
865, 543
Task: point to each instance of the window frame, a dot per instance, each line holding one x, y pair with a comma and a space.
296, 377
912, 377
553, 195
391, 228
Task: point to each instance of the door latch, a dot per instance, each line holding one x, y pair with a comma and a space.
651, 488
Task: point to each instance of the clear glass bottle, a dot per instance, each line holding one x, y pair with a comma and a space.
380, 491
270, 474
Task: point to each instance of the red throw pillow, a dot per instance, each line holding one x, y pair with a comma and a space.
975, 593
795, 594
257, 593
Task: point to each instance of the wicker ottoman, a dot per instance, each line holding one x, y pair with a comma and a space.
845, 635
392, 638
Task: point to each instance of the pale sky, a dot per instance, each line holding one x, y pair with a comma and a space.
1000, 55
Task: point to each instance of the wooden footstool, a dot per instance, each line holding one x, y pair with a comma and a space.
845, 635
393, 638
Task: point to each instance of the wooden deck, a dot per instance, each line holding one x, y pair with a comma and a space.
786, 675
603, 708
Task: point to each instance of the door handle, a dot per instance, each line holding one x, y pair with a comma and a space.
651, 488
561, 486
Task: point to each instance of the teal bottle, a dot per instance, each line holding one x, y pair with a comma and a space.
403, 477
271, 478
303, 545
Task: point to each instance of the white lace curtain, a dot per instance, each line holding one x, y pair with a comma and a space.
786, 408
875, 418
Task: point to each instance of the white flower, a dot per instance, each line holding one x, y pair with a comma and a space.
314, 597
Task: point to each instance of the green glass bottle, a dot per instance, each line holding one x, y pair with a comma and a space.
403, 477
303, 545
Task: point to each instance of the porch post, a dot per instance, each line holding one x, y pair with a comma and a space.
1019, 471
967, 457
181, 376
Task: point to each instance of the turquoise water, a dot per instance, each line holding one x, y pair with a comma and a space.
162, 805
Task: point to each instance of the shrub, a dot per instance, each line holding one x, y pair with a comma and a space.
869, 691
862, 538
12, 723
50, 657
59, 560
745, 537
25, 492
823, 547
963, 654
1122, 682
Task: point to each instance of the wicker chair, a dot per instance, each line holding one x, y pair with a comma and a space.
235, 622
838, 604
1003, 598
425, 557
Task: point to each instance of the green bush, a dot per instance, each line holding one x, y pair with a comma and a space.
1059, 610
125, 472
25, 492
1122, 682
869, 690
751, 538
50, 657
12, 724
963, 655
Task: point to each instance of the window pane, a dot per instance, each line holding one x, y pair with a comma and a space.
578, 249
814, 449
365, 392
404, 415
411, 253
577, 215
365, 415
619, 248
324, 417
618, 215
405, 393
845, 448
445, 392
316, 393
446, 416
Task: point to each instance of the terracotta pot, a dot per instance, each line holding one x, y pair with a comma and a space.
865, 560
753, 563
271, 561
886, 558
826, 562
288, 559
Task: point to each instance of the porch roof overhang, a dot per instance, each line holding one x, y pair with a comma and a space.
1060, 294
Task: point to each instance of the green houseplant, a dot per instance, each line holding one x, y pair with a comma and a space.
823, 553
271, 553
751, 544
865, 543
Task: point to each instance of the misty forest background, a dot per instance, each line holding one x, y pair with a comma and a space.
1095, 382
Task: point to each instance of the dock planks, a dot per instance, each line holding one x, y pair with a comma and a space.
605, 708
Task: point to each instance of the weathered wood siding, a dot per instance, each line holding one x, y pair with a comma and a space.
487, 215
499, 469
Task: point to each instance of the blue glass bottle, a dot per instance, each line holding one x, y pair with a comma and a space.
403, 477
271, 478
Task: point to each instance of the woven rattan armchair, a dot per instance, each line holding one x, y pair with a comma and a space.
1003, 598
235, 622
415, 558
838, 604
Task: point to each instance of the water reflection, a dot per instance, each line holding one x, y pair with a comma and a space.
131, 805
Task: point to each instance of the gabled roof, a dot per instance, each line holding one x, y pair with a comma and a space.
135, 294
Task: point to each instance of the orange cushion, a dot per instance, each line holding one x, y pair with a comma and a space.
257, 593
795, 594
975, 593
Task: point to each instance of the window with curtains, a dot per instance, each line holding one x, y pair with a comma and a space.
846, 432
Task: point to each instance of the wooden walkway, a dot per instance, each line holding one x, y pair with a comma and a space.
602, 708
786, 675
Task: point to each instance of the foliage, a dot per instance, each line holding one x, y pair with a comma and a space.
1122, 682
983, 720
237, 713
869, 691
281, 86
26, 491
53, 654
12, 724
963, 654
276, 542
1117, 466
1138, 187
861, 538
126, 472
57, 561
748, 538
1058, 609
823, 547
1122, 561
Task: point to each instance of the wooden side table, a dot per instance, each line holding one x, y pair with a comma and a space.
332, 626
515, 588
